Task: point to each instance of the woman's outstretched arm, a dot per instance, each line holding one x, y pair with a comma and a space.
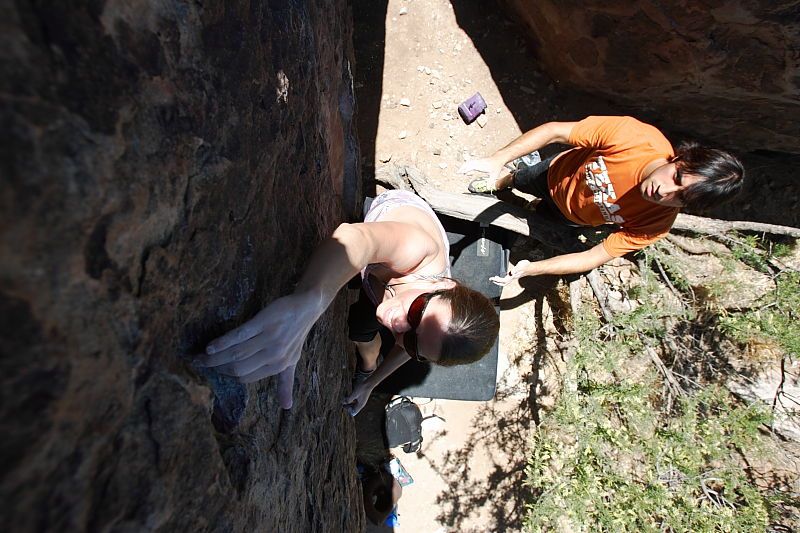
271, 342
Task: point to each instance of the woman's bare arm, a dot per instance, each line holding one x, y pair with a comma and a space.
271, 342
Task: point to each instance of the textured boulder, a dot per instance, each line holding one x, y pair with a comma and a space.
726, 70
167, 168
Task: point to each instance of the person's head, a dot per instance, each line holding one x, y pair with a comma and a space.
380, 491
695, 177
444, 322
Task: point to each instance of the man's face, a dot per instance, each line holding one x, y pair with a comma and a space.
664, 185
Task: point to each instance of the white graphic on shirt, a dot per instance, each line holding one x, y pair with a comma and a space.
600, 184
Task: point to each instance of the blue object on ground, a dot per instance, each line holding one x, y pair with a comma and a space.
391, 520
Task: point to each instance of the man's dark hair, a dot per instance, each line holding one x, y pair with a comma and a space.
721, 175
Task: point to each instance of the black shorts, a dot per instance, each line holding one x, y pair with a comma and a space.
532, 179
362, 324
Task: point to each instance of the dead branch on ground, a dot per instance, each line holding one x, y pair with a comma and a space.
575, 294
666, 279
693, 246
483, 209
712, 226
672, 383
600, 292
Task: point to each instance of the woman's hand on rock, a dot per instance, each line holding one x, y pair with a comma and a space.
357, 399
269, 344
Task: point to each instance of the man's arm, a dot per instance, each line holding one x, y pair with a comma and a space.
538, 137
558, 265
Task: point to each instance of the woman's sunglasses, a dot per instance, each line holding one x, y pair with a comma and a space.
415, 312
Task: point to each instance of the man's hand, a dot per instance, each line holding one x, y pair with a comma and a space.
268, 344
558, 265
535, 139
521, 269
357, 399
490, 165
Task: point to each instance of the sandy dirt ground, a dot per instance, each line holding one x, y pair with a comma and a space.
469, 473
430, 66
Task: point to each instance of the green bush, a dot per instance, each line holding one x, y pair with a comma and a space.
611, 457
775, 319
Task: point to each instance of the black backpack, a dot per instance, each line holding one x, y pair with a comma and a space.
404, 424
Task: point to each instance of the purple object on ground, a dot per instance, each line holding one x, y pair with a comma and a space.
470, 108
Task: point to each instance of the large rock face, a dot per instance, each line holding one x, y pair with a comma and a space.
726, 70
167, 168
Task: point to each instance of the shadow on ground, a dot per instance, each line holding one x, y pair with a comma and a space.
502, 430
369, 43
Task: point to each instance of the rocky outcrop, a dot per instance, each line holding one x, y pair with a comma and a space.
167, 168
725, 70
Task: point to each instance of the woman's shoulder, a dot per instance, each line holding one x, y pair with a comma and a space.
418, 217
408, 208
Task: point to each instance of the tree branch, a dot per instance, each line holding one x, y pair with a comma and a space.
483, 209
713, 226
600, 293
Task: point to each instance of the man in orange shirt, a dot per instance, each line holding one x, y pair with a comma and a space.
620, 171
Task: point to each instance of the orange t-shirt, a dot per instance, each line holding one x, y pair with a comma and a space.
597, 182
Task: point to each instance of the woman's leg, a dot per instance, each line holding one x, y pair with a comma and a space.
364, 331
369, 352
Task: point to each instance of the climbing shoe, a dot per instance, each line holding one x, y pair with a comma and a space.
482, 186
